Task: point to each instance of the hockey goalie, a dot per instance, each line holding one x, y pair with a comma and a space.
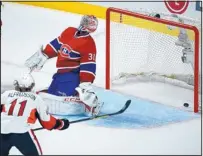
71, 87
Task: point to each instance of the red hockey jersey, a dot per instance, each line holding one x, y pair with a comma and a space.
74, 53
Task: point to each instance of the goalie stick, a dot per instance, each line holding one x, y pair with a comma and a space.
128, 102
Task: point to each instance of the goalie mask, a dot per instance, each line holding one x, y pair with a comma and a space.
24, 83
88, 23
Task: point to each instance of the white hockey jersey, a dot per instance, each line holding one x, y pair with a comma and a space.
20, 110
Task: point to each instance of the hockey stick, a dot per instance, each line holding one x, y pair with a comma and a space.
127, 104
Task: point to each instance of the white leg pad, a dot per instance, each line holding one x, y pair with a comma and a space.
60, 105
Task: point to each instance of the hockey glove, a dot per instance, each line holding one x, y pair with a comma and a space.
62, 124
37, 60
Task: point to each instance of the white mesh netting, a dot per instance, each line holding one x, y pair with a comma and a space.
142, 50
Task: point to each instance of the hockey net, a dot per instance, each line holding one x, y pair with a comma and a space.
144, 47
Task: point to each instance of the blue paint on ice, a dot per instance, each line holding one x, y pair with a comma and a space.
140, 114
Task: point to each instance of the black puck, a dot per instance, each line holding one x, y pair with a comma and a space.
157, 16
186, 105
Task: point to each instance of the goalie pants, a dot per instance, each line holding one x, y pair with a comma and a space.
64, 84
26, 143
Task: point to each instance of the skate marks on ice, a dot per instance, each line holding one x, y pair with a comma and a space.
140, 114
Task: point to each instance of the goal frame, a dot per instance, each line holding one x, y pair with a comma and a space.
163, 21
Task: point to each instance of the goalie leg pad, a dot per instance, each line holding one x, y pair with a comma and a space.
59, 105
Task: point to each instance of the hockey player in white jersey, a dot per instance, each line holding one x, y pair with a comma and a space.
20, 109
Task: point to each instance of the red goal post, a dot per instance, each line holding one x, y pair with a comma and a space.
121, 12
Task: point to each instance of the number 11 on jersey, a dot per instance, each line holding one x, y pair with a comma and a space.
15, 105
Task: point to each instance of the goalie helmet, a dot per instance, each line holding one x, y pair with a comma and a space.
88, 23
24, 83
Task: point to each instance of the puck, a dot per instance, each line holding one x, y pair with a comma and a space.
186, 105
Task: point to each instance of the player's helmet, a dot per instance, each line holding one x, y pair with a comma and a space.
88, 23
24, 83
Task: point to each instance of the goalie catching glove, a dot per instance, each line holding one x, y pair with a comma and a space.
37, 60
89, 98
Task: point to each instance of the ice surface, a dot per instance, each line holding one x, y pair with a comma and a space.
152, 124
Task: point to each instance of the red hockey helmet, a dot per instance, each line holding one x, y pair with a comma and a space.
88, 23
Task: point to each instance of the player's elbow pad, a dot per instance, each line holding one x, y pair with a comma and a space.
61, 124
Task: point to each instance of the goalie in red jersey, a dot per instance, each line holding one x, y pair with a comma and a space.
75, 50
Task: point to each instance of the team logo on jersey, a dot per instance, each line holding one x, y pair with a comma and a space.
65, 50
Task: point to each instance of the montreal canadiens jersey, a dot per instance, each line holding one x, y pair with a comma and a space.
74, 53
19, 109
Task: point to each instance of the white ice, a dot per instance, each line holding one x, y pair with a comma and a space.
25, 28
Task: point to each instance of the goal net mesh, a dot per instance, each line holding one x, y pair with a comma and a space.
144, 50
